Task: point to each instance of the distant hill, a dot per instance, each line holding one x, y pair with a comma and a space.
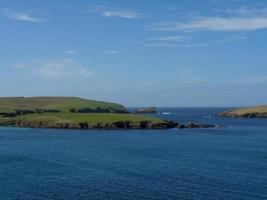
77, 113
150, 110
71, 112
252, 112
58, 104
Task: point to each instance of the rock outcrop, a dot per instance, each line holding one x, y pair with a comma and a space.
114, 125
150, 110
191, 125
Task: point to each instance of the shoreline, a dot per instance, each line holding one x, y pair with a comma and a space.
170, 125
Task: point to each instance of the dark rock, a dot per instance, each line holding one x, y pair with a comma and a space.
119, 124
145, 124
180, 126
83, 125
191, 125
151, 110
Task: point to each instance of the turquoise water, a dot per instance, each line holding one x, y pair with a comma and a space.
227, 163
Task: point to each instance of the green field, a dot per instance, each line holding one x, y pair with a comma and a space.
83, 117
74, 120
63, 104
56, 112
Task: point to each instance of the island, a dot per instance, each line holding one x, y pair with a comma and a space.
77, 113
149, 110
251, 112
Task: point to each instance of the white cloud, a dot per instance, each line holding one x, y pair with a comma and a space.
19, 16
231, 20
116, 12
66, 68
120, 13
176, 45
175, 38
214, 24
57, 68
171, 41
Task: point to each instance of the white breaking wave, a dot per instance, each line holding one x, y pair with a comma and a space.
166, 113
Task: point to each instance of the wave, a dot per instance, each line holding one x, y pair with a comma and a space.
166, 113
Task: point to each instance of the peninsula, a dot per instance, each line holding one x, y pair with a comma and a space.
77, 113
252, 112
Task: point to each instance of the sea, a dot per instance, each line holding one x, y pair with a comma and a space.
217, 163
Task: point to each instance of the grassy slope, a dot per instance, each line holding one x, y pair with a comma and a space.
260, 111
63, 104
78, 120
92, 118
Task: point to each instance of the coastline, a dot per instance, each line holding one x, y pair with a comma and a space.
119, 125
77, 113
253, 112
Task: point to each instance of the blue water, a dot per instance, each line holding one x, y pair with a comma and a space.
227, 163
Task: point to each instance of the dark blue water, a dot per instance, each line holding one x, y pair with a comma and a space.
227, 163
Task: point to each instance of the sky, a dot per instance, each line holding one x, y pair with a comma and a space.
185, 53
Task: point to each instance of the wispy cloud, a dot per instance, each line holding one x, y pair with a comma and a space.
66, 68
214, 24
172, 41
232, 20
176, 45
19, 16
174, 38
116, 12
56, 68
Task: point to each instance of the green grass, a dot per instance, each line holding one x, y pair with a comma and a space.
260, 111
74, 120
86, 117
65, 118
63, 104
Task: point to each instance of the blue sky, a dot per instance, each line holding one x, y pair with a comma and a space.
136, 52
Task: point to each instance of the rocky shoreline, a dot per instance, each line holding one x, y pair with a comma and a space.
243, 115
78, 113
105, 126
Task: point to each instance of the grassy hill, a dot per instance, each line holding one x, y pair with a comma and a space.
71, 112
62, 104
253, 112
83, 121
